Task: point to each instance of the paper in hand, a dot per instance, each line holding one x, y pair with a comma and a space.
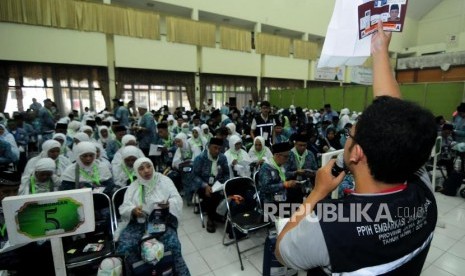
155, 150
217, 186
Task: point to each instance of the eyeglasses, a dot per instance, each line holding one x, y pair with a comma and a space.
284, 155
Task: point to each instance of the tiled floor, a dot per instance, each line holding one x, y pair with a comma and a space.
205, 254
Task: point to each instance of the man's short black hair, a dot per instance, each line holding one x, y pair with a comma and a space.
265, 103
396, 137
394, 7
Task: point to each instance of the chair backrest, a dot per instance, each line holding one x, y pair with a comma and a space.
243, 186
116, 201
103, 211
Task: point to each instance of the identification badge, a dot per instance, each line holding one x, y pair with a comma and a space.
265, 135
280, 197
155, 228
211, 180
170, 154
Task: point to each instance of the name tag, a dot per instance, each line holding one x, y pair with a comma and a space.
211, 180
280, 197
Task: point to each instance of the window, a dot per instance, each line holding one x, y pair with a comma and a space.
20, 98
155, 96
222, 94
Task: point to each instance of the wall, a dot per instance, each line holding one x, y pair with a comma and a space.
153, 54
307, 16
42, 44
218, 61
447, 18
279, 67
407, 38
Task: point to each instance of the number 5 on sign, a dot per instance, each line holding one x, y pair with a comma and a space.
48, 215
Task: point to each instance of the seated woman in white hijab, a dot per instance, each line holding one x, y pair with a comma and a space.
127, 140
259, 152
7, 136
42, 179
238, 159
206, 134
196, 141
185, 129
124, 173
151, 190
90, 132
91, 174
64, 150
232, 130
184, 152
51, 149
104, 136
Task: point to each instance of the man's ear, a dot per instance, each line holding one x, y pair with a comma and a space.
357, 154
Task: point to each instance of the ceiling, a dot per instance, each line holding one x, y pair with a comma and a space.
416, 10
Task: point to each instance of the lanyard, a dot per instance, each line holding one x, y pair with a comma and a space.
33, 185
95, 177
142, 190
300, 158
2, 229
281, 173
214, 168
118, 143
128, 173
260, 154
237, 156
186, 154
167, 143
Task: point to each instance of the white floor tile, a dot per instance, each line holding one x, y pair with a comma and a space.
445, 207
425, 266
219, 255
234, 269
256, 259
192, 225
196, 264
442, 241
455, 217
458, 250
451, 264
433, 270
203, 239
187, 246
433, 254
450, 230
453, 200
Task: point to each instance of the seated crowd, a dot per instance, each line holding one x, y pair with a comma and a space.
161, 155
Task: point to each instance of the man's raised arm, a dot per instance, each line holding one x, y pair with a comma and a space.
384, 83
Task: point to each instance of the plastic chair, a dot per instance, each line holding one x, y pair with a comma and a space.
250, 218
75, 257
116, 201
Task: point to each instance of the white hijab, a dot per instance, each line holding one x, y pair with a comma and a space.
119, 173
128, 137
103, 140
80, 149
48, 145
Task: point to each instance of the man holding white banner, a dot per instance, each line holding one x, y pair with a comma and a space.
386, 225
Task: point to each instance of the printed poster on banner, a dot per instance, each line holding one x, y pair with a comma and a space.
391, 12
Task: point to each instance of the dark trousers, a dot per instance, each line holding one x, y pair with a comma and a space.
210, 203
